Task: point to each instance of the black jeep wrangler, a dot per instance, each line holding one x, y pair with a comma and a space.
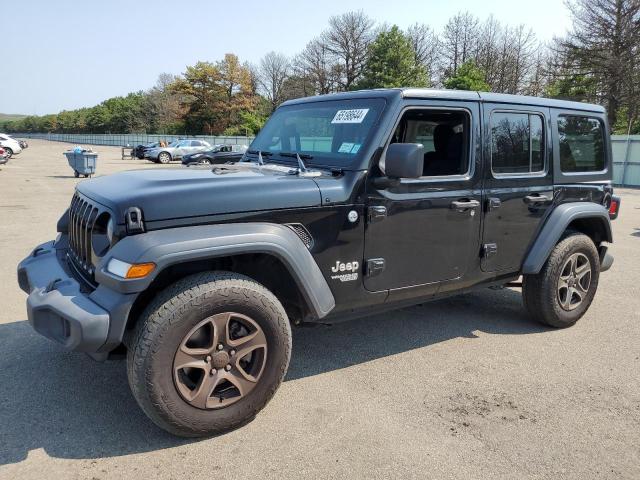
343, 206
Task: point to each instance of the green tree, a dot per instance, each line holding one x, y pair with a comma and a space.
391, 63
200, 89
577, 87
215, 95
468, 76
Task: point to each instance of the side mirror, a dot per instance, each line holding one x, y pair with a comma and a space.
404, 160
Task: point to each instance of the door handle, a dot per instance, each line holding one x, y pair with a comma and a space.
463, 205
535, 199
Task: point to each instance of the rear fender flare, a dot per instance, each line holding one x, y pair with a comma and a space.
555, 226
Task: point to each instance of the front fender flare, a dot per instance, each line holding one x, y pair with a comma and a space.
177, 245
556, 225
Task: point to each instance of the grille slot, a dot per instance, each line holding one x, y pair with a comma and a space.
82, 217
303, 233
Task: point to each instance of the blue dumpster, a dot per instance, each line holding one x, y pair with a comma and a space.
82, 162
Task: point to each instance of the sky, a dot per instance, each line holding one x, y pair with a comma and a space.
68, 54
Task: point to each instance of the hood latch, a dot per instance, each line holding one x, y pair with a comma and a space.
133, 218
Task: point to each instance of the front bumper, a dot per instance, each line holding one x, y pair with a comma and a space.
63, 310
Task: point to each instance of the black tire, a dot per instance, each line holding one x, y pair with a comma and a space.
8, 152
164, 157
76, 174
162, 329
542, 293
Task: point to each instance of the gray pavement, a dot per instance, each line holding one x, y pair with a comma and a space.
464, 388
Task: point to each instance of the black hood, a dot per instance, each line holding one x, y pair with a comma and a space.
163, 194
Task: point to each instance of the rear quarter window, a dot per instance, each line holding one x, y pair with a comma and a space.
582, 144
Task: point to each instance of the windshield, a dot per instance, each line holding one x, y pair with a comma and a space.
326, 133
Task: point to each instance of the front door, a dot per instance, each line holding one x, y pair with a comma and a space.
425, 231
518, 183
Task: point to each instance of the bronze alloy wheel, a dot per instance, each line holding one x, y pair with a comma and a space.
574, 281
220, 360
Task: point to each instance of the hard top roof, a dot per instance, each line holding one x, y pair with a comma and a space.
455, 95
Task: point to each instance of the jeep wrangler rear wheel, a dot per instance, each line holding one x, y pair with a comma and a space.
563, 290
208, 353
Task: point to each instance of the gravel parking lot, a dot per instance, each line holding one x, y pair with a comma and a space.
462, 388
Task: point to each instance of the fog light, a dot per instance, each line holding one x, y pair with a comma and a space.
129, 270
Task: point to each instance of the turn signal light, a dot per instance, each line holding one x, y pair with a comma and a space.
129, 270
140, 270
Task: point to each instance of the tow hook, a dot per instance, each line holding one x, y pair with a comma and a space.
52, 285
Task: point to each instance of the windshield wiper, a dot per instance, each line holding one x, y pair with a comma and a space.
260, 153
264, 153
304, 156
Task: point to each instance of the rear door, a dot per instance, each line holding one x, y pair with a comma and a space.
518, 182
181, 149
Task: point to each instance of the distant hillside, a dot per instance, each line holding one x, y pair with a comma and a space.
4, 117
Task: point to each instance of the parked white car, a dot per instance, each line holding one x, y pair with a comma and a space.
11, 145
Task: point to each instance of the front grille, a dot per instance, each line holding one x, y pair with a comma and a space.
82, 216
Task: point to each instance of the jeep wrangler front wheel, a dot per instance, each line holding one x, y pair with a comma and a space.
208, 353
563, 290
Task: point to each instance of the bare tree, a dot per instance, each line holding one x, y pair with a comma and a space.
317, 64
506, 55
425, 44
348, 39
272, 74
488, 54
538, 80
167, 105
459, 41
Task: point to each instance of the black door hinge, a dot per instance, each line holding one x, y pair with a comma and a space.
377, 213
489, 250
375, 266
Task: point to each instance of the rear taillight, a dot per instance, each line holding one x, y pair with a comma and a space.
614, 207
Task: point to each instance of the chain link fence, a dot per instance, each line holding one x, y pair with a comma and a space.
129, 139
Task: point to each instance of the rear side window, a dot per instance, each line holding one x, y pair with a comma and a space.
581, 144
517, 143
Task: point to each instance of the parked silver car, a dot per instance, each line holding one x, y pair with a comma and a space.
176, 150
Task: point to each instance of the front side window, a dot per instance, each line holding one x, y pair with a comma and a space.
326, 132
517, 143
581, 144
444, 135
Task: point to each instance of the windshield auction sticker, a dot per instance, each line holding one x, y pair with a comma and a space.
355, 115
